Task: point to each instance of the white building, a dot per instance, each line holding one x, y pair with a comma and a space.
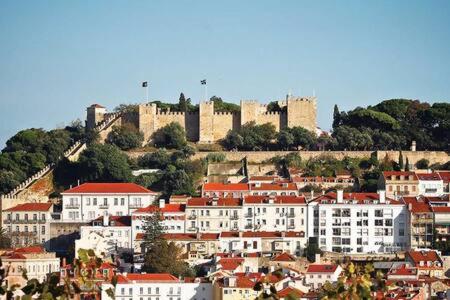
33, 260
430, 184
173, 217
106, 236
358, 223
213, 215
278, 188
274, 213
318, 274
89, 201
157, 287
28, 223
265, 242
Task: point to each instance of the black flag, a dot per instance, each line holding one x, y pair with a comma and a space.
144, 84
203, 81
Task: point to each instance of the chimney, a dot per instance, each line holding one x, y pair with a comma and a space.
162, 203
340, 196
198, 236
312, 194
231, 281
413, 146
78, 182
214, 201
106, 219
382, 196
64, 262
317, 258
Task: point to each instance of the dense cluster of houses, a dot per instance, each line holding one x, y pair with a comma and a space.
239, 228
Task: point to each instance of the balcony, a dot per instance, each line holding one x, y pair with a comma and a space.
248, 226
192, 229
249, 215
291, 215
104, 206
192, 217
135, 205
234, 229
23, 221
234, 217
291, 226
423, 220
72, 206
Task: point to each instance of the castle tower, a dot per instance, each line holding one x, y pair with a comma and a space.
146, 120
206, 122
95, 115
301, 111
249, 111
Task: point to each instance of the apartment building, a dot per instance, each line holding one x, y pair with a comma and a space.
318, 274
420, 220
445, 175
274, 213
276, 188
213, 214
430, 184
34, 260
358, 223
28, 223
266, 242
106, 235
427, 262
134, 286
173, 217
89, 201
225, 190
399, 183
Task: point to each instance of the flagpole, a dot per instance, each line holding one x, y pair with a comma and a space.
146, 93
206, 92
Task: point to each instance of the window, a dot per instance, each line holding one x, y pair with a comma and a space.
94, 201
26, 217
35, 217
122, 201
388, 222
379, 213
378, 222
116, 201
105, 201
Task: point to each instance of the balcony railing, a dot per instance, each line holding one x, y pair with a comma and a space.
192, 229
291, 226
192, 217
105, 206
291, 215
23, 221
248, 226
135, 205
249, 215
72, 206
234, 217
234, 229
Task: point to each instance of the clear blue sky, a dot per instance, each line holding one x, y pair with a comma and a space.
57, 57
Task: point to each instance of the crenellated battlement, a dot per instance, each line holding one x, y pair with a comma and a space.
208, 125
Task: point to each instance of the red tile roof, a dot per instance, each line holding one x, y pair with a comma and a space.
425, 256
321, 268
283, 257
289, 291
210, 202
230, 264
31, 207
276, 199
360, 198
429, 176
108, 188
168, 208
417, 205
399, 173
154, 277
276, 186
403, 270
212, 186
264, 178
445, 175
441, 209
30, 249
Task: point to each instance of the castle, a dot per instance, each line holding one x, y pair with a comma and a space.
209, 126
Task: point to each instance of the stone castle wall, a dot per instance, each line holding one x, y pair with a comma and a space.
209, 126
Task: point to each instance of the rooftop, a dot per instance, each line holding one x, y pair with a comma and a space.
212, 202
211, 187
321, 268
168, 208
31, 207
108, 188
276, 199
155, 277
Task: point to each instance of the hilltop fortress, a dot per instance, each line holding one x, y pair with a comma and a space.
209, 126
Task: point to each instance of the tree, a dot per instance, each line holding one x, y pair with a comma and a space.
5, 240
222, 106
336, 117
171, 136
422, 163
250, 137
285, 139
407, 165
165, 257
153, 230
104, 163
8, 181
155, 160
400, 161
216, 157
311, 250
125, 137
182, 104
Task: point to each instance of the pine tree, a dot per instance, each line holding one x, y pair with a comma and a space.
182, 103
400, 161
336, 117
153, 230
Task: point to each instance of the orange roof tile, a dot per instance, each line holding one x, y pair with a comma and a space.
31, 207
108, 188
276, 186
210, 202
428, 176
276, 199
153, 277
283, 257
360, 198
168, 208
212, 186
289, 291
321, 268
